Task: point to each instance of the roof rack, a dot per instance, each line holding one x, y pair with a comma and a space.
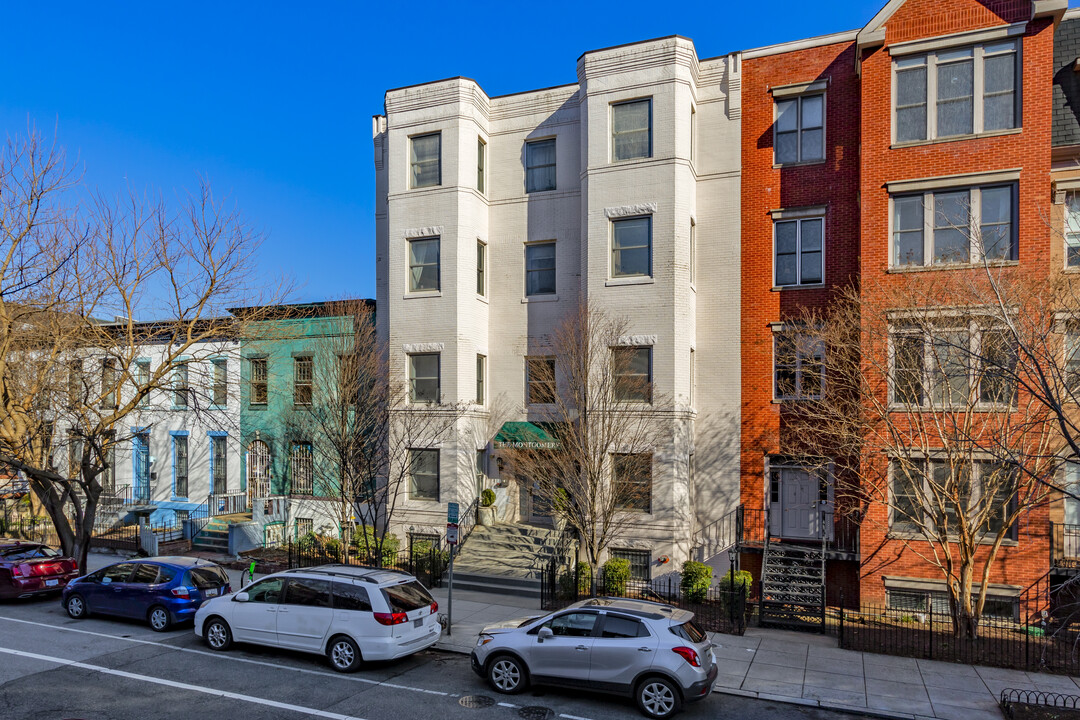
363, 576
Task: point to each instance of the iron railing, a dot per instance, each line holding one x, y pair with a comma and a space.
426, 563
718, 536
840, 532
227, 503
1064, 545
1011, 697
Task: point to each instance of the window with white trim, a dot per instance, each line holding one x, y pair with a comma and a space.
631, 247
798, 366
540, 385
540, 269
424, 474
540, 165
632, 370
426, 160
799, 130
956, 92
954, 226
481, 268
424, 378
631, 130
800, 251
942, 494
481, 378
1072, 229
633, 481
481, 161
424, 265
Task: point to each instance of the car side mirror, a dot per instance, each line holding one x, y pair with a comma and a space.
240, 597
544, 634
106, 580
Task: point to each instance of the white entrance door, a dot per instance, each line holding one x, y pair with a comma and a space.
801, 514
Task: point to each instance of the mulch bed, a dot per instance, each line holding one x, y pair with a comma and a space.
267, 560
1023, 711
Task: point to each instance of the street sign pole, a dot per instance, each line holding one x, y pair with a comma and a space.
452, 541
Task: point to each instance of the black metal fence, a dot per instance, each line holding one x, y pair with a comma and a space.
929, 635
720, 609
427, 563
122, 537
1013, 699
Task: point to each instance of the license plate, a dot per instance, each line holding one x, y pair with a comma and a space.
211, 592
51, 583
418, 623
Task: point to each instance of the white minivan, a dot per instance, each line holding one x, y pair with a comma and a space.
350, 614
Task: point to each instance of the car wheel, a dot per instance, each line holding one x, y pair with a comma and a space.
507, 674
217, 634
76, 607
658, 697
159, 619
343, 654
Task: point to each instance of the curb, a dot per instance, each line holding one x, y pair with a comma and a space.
824, 705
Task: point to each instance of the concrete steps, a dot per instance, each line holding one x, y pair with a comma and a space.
505, 560
214, 537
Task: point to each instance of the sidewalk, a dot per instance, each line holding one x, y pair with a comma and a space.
807, 669
473, 610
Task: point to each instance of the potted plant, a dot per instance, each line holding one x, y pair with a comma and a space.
485, 514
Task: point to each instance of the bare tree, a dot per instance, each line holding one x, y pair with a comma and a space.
927, 406
597, 469
68, 379
361, 427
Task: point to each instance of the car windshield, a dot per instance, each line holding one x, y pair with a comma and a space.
407, 597
28, 552
208, 577
690, 631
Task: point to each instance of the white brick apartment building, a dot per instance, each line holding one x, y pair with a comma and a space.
621, 189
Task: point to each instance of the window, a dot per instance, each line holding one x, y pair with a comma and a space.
424, 265
142, 380
640, 563
219, 463
632, 372
922, 601
481, 268
220, 390
631, 247
940, 494
75, 453
304, 526
540, 380
302, 381
998, 357
481, 153
909, 358
302, 466
180, 466
424, 475
693, 377
1072, 229
693, 252
426, 165
619, 626
939, 228
259, 389
481, 473
108, 471
942, 365
800, 130
180, 386
800, 251
631, 130
424, 378
350, 597
540, 269
481, 371
540, 165
633, 481
307, 591
118, 573
798, 366
109, 378
145, 574
76, 383
957, 92
578, 624
1072, 358
693, 134
266, 591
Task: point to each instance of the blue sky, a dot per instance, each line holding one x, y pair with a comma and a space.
272, 101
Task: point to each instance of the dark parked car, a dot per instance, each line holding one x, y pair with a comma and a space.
30, 568
161, 590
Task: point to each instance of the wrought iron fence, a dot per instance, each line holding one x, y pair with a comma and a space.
929, 635
1011, 697
426, 562
122, 537
228, 503
1064, 545
719, 609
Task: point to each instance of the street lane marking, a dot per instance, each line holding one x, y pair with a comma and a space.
571, 717
182, 686
509, 705
222, 656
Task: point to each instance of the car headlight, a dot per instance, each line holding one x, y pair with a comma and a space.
483, 640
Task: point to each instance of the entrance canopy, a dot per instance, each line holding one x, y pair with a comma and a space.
525, 436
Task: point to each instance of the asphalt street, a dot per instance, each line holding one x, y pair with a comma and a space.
56, 668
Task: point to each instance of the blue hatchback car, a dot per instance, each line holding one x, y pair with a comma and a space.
161, 590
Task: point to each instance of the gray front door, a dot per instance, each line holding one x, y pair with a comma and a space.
801, 514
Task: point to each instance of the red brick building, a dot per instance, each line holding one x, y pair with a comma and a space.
846, 140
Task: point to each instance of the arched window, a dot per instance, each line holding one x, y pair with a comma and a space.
258, 469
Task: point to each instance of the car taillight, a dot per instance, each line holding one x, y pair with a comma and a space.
15, 571
688, 654
390, 618
434, 607
181, 592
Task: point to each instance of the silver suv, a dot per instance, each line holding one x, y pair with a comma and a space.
650, 651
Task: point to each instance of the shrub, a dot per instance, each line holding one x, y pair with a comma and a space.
487, 498
332, 547
616, 573
696, 579
743, 579
363, 540
584, 577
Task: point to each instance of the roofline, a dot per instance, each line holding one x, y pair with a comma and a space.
1071, 13
537, 90
803, 44
314, 309
432, 82
638, 42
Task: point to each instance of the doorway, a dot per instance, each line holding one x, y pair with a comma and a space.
802, 499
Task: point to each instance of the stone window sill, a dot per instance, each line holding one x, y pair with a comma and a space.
540, 298
955, 138
616, 282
